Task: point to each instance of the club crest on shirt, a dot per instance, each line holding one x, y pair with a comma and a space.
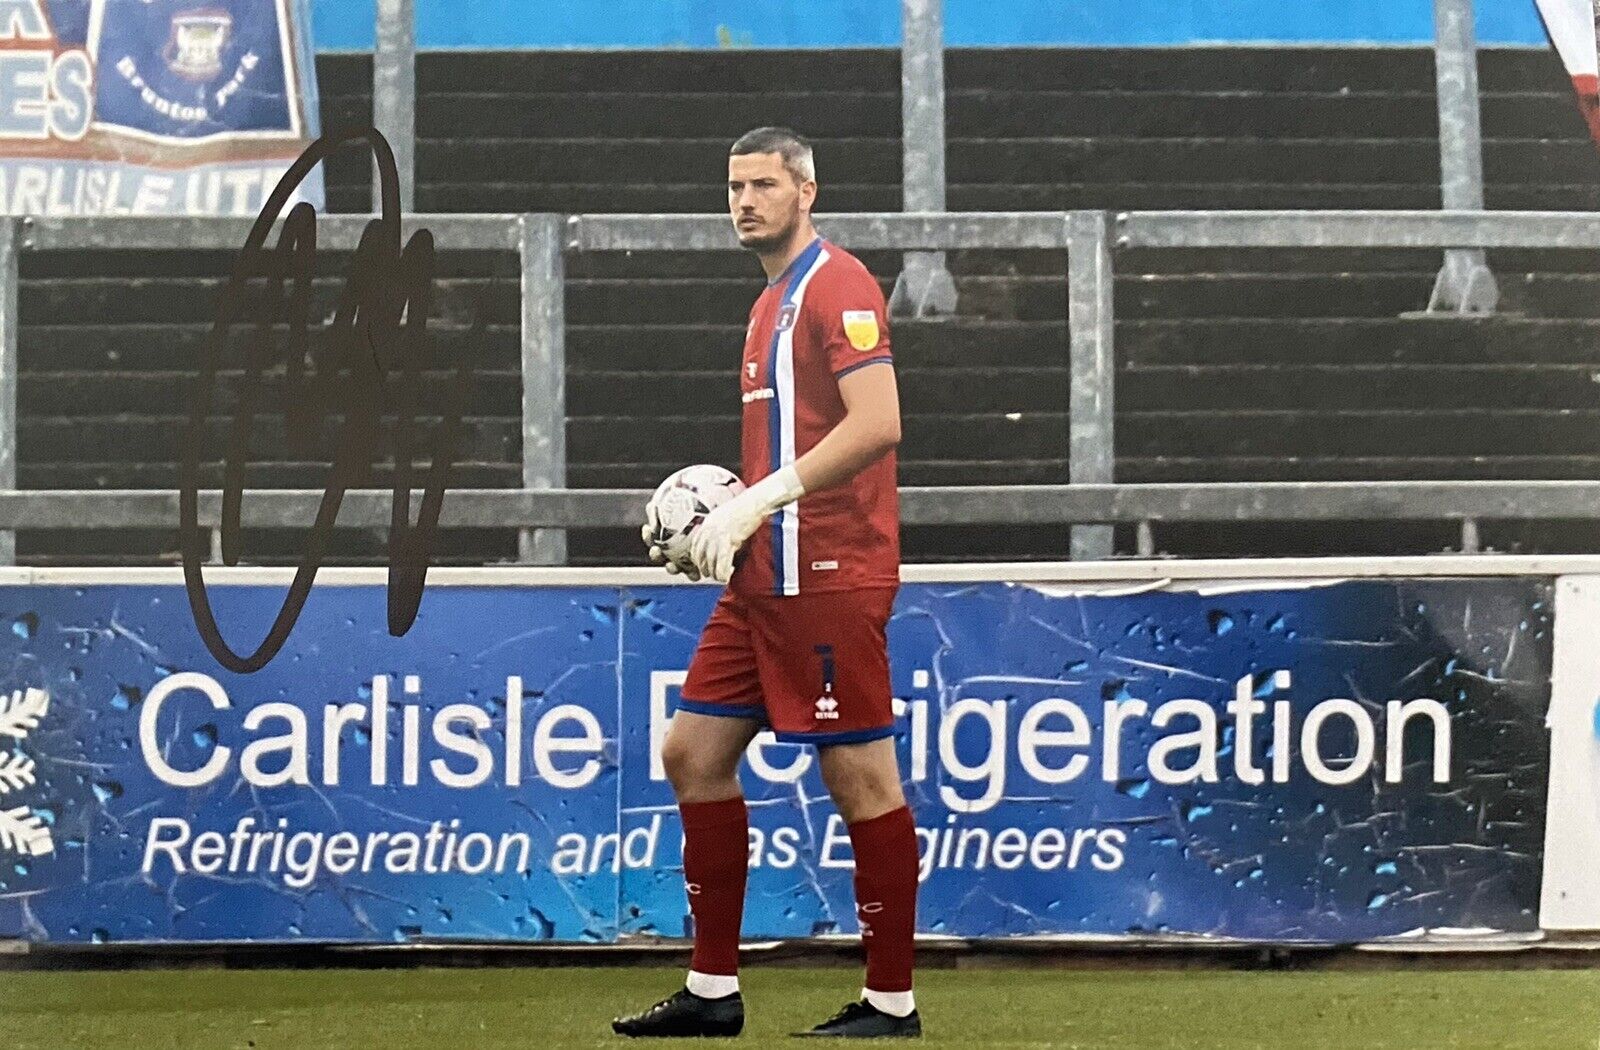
861, 328
787, 315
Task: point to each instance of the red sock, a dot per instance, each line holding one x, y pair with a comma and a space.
715, 862
886, 896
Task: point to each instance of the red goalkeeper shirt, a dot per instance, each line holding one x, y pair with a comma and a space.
822, 319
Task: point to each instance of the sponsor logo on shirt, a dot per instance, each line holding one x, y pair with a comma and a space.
761, 394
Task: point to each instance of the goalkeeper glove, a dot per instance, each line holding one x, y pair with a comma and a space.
713, 544
647, 532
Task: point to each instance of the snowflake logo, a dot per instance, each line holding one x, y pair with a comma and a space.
21, 830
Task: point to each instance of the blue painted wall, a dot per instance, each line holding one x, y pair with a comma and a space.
347, 24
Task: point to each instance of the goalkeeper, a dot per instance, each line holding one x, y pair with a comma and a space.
797, 640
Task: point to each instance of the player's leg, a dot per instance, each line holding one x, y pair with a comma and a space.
864, 780
719, 713
701, 756
825, 674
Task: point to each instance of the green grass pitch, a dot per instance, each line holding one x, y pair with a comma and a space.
490, 1009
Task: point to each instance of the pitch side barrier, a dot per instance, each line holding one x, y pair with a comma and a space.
1293, 751
543, 509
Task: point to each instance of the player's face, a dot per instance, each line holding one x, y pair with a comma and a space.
765, 200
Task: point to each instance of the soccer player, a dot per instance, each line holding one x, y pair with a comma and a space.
797, 639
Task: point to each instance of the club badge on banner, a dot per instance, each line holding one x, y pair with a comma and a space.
153, 107
1286, 761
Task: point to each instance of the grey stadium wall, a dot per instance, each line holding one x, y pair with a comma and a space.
1232, 365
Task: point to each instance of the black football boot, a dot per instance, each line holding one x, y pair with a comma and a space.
683, 1015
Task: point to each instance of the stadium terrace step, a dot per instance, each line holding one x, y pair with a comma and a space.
1149, 159
680, 161
115, 350
1355, 468
158, 300
1232, 365
135, 438
1313, 389
94, 394
152, 474
562, 73
1260, 113
923, 472
1359, 433
1347, 340
261, 547
612, 114
1238, 69
1189, 196
590, 199
498, 393
707, 347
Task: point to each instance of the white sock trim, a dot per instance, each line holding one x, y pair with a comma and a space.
712, 985
896, 1004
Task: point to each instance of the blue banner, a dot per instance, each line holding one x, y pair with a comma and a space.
1288, 762
344, 24
154, 107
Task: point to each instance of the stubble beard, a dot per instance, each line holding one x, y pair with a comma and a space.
774, 242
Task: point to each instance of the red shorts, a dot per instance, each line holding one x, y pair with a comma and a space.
813, 666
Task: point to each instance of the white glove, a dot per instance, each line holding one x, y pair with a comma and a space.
716, 540
657, 555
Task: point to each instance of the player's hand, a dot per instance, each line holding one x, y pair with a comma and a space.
714, 543
658, 556
647, 532
689, 572
718, 538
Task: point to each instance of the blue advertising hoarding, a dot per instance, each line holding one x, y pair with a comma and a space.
1300, 762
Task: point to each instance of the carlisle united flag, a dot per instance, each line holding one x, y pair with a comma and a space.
153, 107
1571, 24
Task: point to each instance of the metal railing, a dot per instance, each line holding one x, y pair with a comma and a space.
544, 508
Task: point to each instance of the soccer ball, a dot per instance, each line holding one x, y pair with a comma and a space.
682, 502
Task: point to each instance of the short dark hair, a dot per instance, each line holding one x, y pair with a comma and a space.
794, 147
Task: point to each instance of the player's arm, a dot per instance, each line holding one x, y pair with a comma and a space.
869, 429
854, 339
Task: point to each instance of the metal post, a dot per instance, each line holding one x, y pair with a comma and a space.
544, 376
394, 93
1146, 540
924, 287
10, 323
1464, 285
1090, 318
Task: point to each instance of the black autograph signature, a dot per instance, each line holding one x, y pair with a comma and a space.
379, 327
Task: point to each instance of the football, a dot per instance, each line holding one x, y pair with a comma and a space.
683, 500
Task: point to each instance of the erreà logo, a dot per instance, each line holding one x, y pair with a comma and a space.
827, 706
